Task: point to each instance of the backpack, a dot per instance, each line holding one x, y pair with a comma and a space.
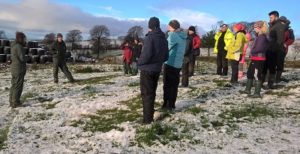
291, 34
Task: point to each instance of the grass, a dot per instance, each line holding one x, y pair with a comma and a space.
220, 83
3, 137
156, 132
38, 116
89, 91
88, 69
50, 105
279, 94
109, 119
134, 84
96, 80
198, 92
27, 96
250, 112
195, 110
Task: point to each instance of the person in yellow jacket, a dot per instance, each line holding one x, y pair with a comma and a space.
235, 50
222, 39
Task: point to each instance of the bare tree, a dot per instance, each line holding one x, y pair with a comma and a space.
49, 39
208, 40
2, 34
136, 31
74, 36
99, 34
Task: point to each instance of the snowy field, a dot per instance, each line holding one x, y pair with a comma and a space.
101, 113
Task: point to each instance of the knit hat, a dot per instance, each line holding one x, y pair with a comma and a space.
239, 26
284, 19
192, 28
174, 24
59, 35
154, 23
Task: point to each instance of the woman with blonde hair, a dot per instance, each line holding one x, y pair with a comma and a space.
258, 57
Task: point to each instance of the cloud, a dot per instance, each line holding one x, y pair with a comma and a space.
38, 17
187, 17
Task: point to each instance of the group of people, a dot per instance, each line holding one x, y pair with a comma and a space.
176, 52
131, 54
171, 54
18, 65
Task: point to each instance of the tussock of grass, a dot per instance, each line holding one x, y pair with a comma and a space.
96, 80
220, 83
195, 110
279, 94
27, 96
134, 84
3, 137
88, 69
250, 112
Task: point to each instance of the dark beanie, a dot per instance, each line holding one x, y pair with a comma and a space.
154, 23
192, 28
59, 35
174, 24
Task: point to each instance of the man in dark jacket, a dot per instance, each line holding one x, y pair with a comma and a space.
18, 70
276, 50
59, 59
136, 52
188, 57
154, 54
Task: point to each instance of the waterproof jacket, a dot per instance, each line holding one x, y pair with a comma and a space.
154, 52
236, 47
276, 36
59, 50
177, 46
227, 39
18, 61
259, 47
127, 54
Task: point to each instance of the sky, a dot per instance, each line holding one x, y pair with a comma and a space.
39, 17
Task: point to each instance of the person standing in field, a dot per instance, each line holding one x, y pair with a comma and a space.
127, 57
258, 57
235, 51
136, 53
18, 70
222, 40
177, 45
59, 59
153, 55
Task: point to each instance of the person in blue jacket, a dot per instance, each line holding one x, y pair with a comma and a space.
153, 55
177, 38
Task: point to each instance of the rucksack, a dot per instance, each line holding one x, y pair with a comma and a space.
196, 45
291, 34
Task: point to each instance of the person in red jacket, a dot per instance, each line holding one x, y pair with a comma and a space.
127, 57
196, 44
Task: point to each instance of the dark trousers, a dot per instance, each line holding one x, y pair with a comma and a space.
235, 71
148, 81
191, 65
222, 63
62, 65
16, 88
171, 82
255, 66
127, 68
185, 74
280, 61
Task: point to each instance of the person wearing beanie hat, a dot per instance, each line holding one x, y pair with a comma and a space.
191, 51
258, 57
59, 59
223, 39
177, 43
136, 52
154, 54
18, 70
154, 23
276, 53
235, 50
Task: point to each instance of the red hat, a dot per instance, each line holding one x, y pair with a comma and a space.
239, 26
